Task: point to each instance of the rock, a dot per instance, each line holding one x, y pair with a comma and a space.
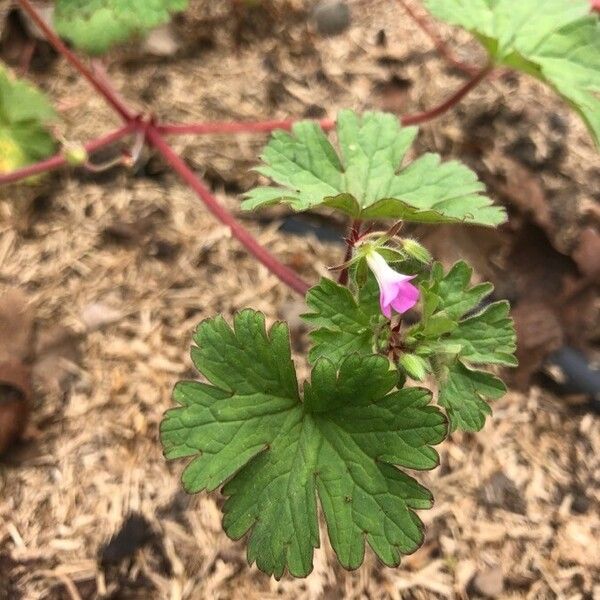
331, 17
489, 583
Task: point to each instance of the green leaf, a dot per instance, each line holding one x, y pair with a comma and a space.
367, 180
557, 41
247, 428
463, 393
487, 338
451, 339
415, 366
452, 292
343, 324
96, 25
24, 115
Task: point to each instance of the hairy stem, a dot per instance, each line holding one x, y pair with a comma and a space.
285, 274
351, 238
437, 40
59, 160
241, 127
100, 85
445, 106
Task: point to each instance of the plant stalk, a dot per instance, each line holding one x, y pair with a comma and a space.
351, 239
440, 109
437, 40
284, 273
59, 160
100, 86
232, 128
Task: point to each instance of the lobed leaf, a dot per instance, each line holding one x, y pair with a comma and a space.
96, 25
454, 333
344, 325
557, 41
247, 428
368, 180
465, 393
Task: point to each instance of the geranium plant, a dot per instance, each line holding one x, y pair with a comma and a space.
390, 326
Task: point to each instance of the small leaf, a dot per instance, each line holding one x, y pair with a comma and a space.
556, 41
96, 25
24, 115
248, 429
463, 393
451, 340
452, 291
488, 337
367, 180
343, 324
415, 366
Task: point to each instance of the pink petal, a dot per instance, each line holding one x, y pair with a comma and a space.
408, 296
386, 307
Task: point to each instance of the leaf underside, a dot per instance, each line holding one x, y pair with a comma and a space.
557, 41
24, 114
96, 25
368, 179
276, 453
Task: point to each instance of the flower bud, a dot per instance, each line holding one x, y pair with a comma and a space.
416, 251
415, 366
75, 154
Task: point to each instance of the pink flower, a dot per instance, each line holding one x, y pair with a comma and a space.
595, 5
395, 289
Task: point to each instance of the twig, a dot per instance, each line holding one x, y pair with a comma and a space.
249, 127
437, 40
287, 275
440, 109
59, 160
352, 237
100, 86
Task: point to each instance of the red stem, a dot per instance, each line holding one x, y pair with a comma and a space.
437, 40
440, 109
268, 126
249, 127
353, 236
58, 161
100, 86
287, 275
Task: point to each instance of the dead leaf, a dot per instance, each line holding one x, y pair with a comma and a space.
16, 326
539, 333
587, 253
15, 402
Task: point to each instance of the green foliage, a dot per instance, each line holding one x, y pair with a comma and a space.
249, 429
451, 340
368, 180
96, 25
24, 114
344, 325
557, 41
463, 393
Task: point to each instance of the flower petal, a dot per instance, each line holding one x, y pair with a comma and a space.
406, 298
